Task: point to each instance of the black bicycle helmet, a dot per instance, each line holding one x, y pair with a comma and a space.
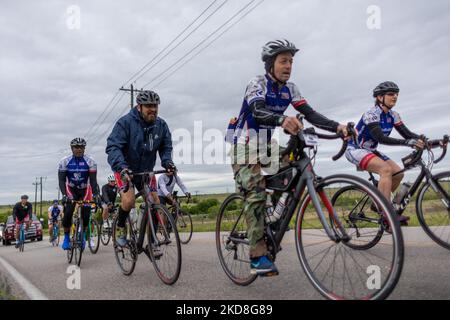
78, 142
148, 97
384, 88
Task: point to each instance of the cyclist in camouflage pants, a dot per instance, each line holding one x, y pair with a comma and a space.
266, 99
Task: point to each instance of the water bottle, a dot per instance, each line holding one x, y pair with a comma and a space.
269, 209
404, 188
279, 209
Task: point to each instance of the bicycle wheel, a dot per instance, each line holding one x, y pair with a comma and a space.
22, 241
58, 236
183, 221
334, 268
433, 210
77, 243
232, 242
72, 248
105, 233
126, 256
93, 236
364, 225
165, 249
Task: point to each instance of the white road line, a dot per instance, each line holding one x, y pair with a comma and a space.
32, 292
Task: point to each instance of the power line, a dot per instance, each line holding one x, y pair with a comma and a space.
171, 50
106, 116
201, 42
209, 44
104, 110
99, 120
167, 46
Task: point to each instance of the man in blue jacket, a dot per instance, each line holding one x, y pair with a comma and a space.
132, 146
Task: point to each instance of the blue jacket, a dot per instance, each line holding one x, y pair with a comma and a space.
133, 143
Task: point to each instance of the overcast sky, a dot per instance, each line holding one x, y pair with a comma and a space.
58, 73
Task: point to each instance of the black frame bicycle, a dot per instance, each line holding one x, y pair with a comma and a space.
325, 274
426, 181
105, 235
77, 231
162, 237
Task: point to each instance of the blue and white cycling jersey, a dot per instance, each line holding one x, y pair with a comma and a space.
77, 170
55, 212
276, 100
387, 121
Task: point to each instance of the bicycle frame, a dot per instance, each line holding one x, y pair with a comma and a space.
306, 178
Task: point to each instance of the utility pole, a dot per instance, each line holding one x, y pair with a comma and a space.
40, 206
35, 195
132, 91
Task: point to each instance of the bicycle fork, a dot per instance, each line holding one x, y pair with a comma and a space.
308, 178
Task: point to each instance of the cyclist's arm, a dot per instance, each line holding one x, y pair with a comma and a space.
62, 182
405, 132
165, 149
116, 142
377, 134
316, 118
181, 184
30, 210
93, 182
15, 213
263, 116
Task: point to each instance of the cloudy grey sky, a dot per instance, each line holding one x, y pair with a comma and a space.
56, 79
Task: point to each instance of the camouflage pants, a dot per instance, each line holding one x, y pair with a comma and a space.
248, 178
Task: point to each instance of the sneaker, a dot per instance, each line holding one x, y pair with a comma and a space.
263, 266
66, 243
92, 242
403, 220
105, 225
17, 244
121, 238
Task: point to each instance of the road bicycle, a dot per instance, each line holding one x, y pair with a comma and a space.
21, 240
183, 219
163, 246
93, 233
432, 202
333, 268
56, 234
106, 231
77, 234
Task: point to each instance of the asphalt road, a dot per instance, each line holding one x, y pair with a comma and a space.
426, 273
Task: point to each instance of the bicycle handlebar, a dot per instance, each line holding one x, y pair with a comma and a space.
127, 185
437, 143
416, 155
351, 133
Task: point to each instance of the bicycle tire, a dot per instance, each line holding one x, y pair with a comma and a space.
121, 252
394, 268
105, 235
93, 233
377, 236
184, 220
222, 238
78, 242
167, 233
443, 241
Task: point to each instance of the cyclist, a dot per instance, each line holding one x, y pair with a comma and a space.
109, 195
22, 212
166, 184
375, 126
132, 147
54, 212
266, 99
77, 175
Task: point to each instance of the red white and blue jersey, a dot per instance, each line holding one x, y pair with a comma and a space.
387, 121
277, 100
77, 170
